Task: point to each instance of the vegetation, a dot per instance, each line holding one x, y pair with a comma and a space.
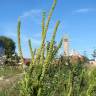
47, 76
94, 54
8, 71
9, 45
9, 77
32, 84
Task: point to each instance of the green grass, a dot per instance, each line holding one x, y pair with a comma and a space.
8, 71
56, 77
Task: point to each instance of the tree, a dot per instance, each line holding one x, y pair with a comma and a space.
9, 45
94, 54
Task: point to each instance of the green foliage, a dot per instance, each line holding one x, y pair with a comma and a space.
9, 45
94, 54
19, 42
32, 83
31, 51
8, 71
47, 76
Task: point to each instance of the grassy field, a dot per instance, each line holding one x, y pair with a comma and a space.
9, 77
8, 71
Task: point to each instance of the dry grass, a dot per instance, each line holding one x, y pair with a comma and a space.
10, 77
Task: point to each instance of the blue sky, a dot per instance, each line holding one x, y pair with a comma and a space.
78, 20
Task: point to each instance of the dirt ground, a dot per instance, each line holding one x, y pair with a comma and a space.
9, 82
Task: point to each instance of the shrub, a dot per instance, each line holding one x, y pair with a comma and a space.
44, 78
32, 84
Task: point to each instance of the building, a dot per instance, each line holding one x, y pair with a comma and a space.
74, 55
67, 51
92, 62
66, 45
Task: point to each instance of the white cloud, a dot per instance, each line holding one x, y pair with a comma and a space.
33, 12
34, 15
83, 10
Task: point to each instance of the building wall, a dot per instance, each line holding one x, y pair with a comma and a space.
66, 47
